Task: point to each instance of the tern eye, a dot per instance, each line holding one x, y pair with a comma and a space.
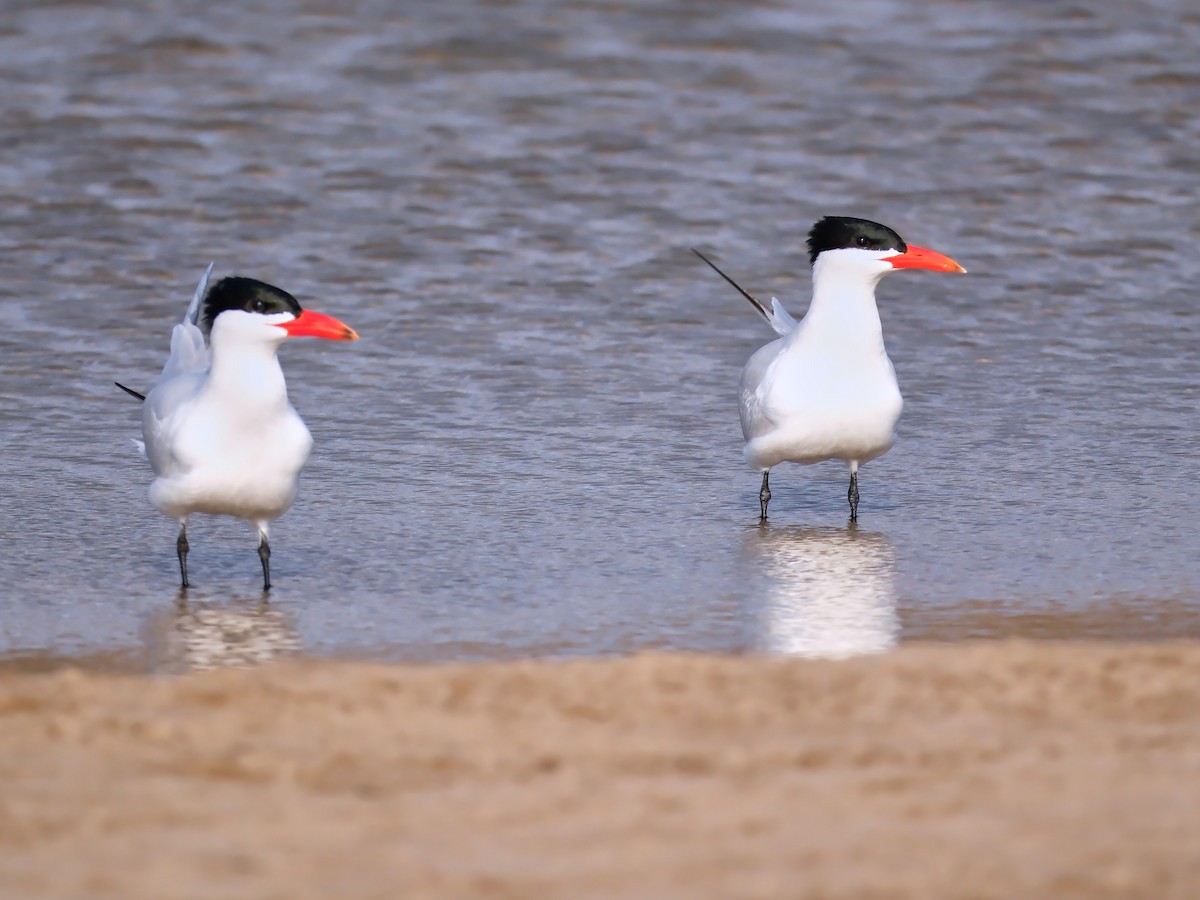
862, 240
258, 306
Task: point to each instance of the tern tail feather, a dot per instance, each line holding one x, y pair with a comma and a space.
130, 391
777, 317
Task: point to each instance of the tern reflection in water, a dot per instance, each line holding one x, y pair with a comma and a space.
200, 636
831, 592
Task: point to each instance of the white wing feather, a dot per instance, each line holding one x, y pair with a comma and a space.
780, 319
181, 377
756, 417
193, 310
189, 351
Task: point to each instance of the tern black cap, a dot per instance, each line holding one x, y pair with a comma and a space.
245, 294
844, 232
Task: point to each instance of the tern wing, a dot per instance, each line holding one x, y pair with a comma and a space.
777, 317
781, 320
165, 411
752, 393
182, 377
189, 350
193, 311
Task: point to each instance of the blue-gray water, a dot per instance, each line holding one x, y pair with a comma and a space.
534, 448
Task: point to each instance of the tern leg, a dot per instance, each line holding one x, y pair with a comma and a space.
764, 496
852, 494
181, 548
264, 554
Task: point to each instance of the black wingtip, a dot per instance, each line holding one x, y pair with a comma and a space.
761, 309
130, 391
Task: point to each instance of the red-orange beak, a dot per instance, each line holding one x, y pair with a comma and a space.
318, 325
920, 258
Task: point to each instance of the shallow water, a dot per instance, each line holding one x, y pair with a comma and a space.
534, 449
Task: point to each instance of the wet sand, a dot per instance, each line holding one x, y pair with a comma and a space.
975, 770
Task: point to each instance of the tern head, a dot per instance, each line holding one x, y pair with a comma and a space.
254, 309
872, 248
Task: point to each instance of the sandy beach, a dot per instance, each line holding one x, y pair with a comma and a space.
976, 770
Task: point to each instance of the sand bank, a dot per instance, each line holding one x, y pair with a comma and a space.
978, 770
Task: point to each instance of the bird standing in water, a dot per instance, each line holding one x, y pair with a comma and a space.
826, 389
218, 429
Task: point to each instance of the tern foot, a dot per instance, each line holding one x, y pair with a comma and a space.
764, 497
181, 550
852, 496
264, 554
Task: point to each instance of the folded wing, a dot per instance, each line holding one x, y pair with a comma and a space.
177, 386
189, 350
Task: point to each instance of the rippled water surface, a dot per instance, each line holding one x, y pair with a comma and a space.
534, 449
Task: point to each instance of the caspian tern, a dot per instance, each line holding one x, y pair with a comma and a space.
219, 431
826, 388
